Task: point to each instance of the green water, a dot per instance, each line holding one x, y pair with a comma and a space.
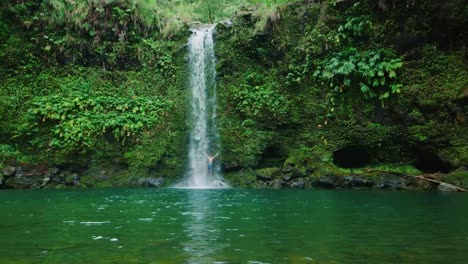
232, 226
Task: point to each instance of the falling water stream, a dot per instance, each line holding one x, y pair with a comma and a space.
204, 139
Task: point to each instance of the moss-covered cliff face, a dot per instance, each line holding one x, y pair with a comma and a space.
92, 89
311, 93
338, 90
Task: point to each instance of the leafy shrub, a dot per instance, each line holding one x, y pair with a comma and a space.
78, 122
258, 98
244, 143
374, 72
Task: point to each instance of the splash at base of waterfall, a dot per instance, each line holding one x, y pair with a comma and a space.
204, 138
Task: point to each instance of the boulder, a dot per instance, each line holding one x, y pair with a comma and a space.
53, 171
392, 182
291, 173
72, 179
19, 171
267, 174
226, 23
153, 182
298, 184
8, 171
287, 177
324, 182
355, 181
447, 187
274, 184
45, 181
19, 182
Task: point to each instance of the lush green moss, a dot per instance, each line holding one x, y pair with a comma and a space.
298, 81
321, 119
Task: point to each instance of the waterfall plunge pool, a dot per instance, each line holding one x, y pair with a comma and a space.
232, 226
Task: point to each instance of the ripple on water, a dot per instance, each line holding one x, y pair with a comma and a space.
95, 223
146, 219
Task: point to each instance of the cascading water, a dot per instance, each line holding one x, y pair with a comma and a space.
204, 139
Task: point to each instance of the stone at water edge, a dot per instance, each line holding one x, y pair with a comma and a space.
19, 182
298, 184
8, 171
150, 182
72, 179
446, 187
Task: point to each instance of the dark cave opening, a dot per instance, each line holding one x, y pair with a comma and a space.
353, 156
272, 156
428, 162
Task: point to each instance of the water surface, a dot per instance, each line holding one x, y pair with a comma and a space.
232, 226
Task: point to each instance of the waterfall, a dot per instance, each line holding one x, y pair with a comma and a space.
204, 138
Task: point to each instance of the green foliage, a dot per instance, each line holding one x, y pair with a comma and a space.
436, 78
79, 121
6, 153
84, 14
373, 72
243, 143
308, 158
355, 27
258, 98
162, 151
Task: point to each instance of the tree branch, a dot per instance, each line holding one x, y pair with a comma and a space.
427, 177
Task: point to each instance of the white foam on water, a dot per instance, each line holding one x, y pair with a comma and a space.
146, 219
95, 223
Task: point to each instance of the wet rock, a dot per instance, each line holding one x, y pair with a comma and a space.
72, 179
60, 178
275, 184
19, 171
226, 23
324, 182
153, 182
267, 173
287, 177
53, 171
288, 169
392, 182
291, 173
8, 171
356, 182
446, 187
104, 175
298, 184
19, 181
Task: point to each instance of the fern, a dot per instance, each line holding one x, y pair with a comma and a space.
373, 72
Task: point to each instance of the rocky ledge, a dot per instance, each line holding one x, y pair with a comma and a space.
290, 177
39, 177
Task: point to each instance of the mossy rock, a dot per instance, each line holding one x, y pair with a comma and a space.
267, 173
309, 159
457, 156
242, 178
458, 177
